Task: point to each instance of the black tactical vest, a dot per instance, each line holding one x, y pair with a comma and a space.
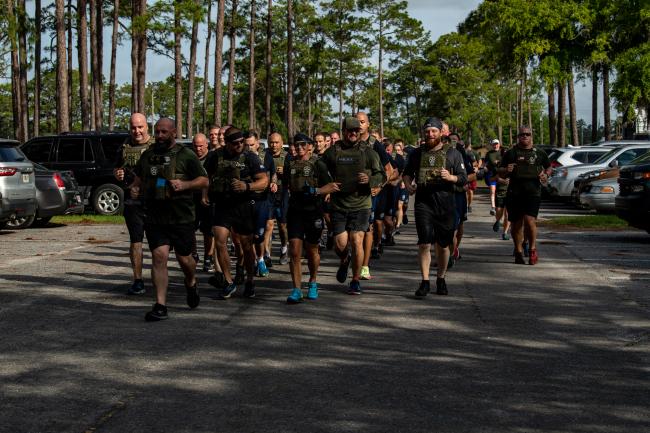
526, 164
349, 163
225, 171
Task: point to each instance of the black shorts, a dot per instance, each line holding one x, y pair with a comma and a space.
390, 201
262, 208
305, 225
461, 209
379, 205
178, 236
432, 227
239, 217
279, 205
520, 205
203, 220
134, 219
351, 221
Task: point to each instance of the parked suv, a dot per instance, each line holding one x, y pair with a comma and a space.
633, 199
91, 157
567, 156
17, 183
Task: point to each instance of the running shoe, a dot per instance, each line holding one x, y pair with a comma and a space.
240, 274
218, 280
390, 241
193, 297
157, 313
249, 290
469, 209
374, 254
496, 226
519, 258
342, 273
532, 257
228, 290
423, 290
284, 259
493, 211
312, 291
365, 273
261, 269
137, 288
505, 237
268, 262
355, 288
441, 287
207, 265
295, 297
451, 261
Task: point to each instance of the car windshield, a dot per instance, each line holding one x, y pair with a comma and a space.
11, 154
606, 156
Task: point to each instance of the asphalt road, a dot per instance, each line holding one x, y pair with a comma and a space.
559, 347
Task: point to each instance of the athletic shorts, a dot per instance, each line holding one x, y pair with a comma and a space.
472, 185
134, 219
262, 215
178, 236
351, 221
305, 225
403, 195
519, 206
433, 228
390, 203
378, 206
461, 209
500, 199
279, 205
239, 217
489, 181
203, 221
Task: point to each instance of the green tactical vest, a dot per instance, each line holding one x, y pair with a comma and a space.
279, 162
225, 171
302, 174
349, 163
132, 154
431, 164
157, 171
526, 165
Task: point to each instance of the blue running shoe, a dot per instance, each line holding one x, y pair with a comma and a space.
295, 297
262, 270
228, 290
355, 288
312, 291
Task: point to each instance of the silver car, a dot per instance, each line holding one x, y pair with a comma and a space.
600, 195
17, 183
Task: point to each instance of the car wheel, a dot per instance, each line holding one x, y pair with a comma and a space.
108, 199
42, 222
21, 223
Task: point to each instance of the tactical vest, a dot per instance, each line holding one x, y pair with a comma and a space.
526, 164
225, 171
431, 164
302, 175
493, 159
349, 163
279, 162
131, 154
158, 170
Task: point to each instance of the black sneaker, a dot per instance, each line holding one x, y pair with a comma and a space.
390, 241
195, 256
342, 273
157, 313
268, 262
405, 219
249, 290
137, 288
423, 290
380, 247
227, 291
193, 297
240, 274
218, 280
441, 286
519, 258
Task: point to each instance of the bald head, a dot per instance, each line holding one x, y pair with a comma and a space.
275, 143
139, 129
200, 144
364, 124
165, 132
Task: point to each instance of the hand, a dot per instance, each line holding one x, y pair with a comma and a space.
446, 175
205, 201
119, 173
238, 185
363, 178
543, 177
330, 188
274, 187
177, 185
135, 192
510, 168
374, 191
411, 187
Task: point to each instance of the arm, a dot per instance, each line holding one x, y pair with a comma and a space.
377, 174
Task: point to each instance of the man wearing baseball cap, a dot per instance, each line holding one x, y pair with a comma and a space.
434, 169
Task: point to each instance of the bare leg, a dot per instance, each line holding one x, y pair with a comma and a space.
442, 256
268, 234
399, 213
341, 245
159, 273
518, 234
356, 239
424, 257
313, 261
367, 246
136, 256
530, 226
221, 246
248, 255
295, 252
493, 193
189, 269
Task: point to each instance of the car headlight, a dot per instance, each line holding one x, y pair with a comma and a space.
602, 190
563, 172
642, 175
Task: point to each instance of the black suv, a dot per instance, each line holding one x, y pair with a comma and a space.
633, 200
91, 156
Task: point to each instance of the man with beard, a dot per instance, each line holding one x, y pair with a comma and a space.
234, 175
168, 173
435, 168
135, 146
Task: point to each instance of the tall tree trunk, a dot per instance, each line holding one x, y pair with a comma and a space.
70, 70
290, 128
178, 72
22, 50
218, 61
575, 139
231, 63
15, 70
206, 65
192, 75
594, 103
62, 109
381, 73
340, 98
141, 70
499, 125
269, 63
552, 121
251, 72
96, 52
310, 122
510, 124
135, 46
561, 108
111, 83
82, 56
37, 68
607, 123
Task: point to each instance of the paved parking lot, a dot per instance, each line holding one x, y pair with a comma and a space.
558, 347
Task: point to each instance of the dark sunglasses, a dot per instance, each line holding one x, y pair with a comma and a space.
355, 130
525, 134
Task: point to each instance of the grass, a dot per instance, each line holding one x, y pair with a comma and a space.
587, 222
88, 219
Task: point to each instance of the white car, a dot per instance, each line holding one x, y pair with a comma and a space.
561, 181
568, 156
